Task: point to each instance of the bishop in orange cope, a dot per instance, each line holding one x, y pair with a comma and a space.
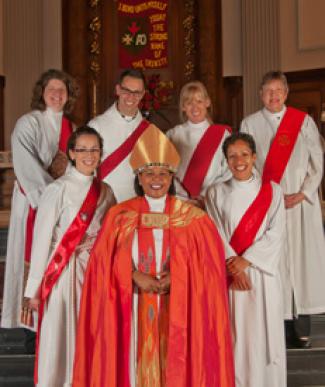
154, 309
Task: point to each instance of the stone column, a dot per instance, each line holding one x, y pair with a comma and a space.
260, 39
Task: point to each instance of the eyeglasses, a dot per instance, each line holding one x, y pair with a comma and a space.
135, 93
85, 150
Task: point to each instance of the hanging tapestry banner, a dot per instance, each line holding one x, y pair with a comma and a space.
143, 34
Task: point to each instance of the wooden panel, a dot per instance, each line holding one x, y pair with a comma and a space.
7, 178
233, 107
175, 71
75, 21
307, 92
2, 85
194, 27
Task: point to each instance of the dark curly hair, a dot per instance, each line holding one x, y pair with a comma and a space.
238, 136
38, 102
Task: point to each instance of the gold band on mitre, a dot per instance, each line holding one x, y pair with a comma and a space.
153, 148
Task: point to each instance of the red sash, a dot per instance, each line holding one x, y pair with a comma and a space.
115, 158
152, 319
282, 145
64, 250
29, 228
246, 230
66, 131
201, 159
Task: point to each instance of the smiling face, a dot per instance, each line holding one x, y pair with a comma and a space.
86, 154
274, 94
55, 95
155, 181
240, 160
196, 108
129, 92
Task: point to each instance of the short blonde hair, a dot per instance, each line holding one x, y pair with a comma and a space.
187, 93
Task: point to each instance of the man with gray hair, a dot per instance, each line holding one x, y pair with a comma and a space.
289, 152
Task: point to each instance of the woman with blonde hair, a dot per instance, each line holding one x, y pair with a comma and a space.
198, 142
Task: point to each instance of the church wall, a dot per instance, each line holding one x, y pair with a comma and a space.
231, 38
32, 43
302, 34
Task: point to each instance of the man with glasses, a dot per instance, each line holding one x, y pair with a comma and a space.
120, 126
289, 152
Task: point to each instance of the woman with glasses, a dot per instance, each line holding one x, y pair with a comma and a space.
68, 220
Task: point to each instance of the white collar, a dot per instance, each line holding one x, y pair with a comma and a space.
156, 205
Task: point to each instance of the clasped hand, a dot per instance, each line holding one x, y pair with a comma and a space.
152, 284
292, 200
235, 267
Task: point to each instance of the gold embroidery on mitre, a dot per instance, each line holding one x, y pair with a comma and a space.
155, 220
284, 139
154, 148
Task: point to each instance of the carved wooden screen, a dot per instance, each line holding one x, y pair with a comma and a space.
180, 66
90, 53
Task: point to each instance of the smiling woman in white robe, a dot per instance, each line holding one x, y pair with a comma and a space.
256, 310
35, 150
195, 113
60, 203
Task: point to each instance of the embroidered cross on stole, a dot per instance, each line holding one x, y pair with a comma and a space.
153, 309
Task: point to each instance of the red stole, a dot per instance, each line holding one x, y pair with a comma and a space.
152, 319
201, 159
246, 230
66, 131
64, 250
29, 227
115, 158
282, 145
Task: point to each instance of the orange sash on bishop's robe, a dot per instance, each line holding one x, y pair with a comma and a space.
199, 349
283, 145
153, 309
